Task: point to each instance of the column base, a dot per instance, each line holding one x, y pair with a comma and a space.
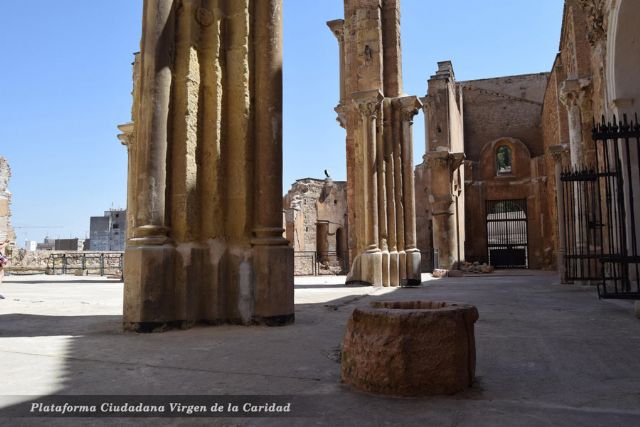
414, 278
149, 288
402, 267
366, 269
273, 285
386, 269
394, 274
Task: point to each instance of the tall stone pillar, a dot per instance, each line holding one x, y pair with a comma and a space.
205, 176
379, 145
409, 107
558, 152
369, 104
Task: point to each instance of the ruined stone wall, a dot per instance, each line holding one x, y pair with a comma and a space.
316, 224
311, 200
504, 106
6, 230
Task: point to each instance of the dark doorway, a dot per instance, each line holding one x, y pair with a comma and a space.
507, 233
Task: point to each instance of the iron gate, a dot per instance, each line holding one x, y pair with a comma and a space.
507, 233
600, 213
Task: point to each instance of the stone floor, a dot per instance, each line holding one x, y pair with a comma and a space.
547, 354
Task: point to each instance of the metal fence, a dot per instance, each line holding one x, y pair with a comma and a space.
601, 217
91, 263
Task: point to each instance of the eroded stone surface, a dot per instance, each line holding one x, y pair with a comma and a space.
415, 348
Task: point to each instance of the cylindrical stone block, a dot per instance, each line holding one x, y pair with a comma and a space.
414, 348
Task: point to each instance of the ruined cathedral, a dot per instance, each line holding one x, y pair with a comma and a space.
515, 172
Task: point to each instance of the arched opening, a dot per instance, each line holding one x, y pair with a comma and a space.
341, 247
624, 58
504, 159
624, 96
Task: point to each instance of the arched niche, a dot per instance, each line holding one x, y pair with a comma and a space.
623, 58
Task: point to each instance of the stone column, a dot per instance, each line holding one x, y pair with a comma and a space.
274, 287
409, 107
570, 97
398, 178
443, 208
157, 47
383, 234
211, 96
392, 240
127, 139
369, 104
558, 152
149, 291
337, 28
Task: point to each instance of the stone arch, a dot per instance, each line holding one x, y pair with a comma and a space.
623, 92
520, 158
623, 57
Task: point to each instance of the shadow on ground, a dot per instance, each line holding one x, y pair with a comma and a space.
546, 355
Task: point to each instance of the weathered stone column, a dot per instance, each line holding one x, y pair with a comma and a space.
409, 107
392, 239
370, 265
274, 286
570, 97
149, 292
443, 208
558, 152
383, 234
337, 28
211, 96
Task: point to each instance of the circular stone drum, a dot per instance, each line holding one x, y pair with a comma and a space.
414, 348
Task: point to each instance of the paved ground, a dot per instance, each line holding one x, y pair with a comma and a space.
547, 355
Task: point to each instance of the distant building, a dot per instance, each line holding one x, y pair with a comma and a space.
68, 245
108, 232
48, 245
30, 245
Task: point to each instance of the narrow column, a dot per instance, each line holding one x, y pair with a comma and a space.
570, 97
149, 288
382, 199
337, 28
392, 241
157, 47
558, 152
399, 192
273, 286
409, 107
369, 104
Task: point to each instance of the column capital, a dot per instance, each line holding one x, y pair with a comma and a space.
409, 107
127, 133
558, 152
575, 92
368, 102
337, 28
342, 110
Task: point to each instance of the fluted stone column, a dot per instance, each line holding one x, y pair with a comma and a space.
409, 107
370, 263
570, 96
389, 181
558, 152
207, 160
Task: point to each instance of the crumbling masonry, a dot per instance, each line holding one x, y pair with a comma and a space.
6, 230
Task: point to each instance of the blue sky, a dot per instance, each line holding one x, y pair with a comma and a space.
66, 83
